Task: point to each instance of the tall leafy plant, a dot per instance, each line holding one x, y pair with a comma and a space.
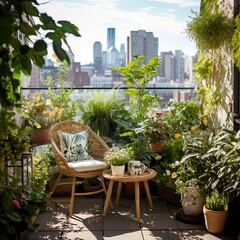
17, 57
62, 97
137, 76
102, 111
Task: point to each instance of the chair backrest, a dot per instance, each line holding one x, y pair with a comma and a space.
96, 146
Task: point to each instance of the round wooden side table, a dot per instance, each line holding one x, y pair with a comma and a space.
144, 177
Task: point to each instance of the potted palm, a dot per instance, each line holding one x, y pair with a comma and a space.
215, 212
116, 158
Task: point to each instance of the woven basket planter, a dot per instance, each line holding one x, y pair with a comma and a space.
215, 220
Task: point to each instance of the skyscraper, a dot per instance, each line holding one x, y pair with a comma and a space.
97, 57
142, 43
179, 65
110, 38
166, 68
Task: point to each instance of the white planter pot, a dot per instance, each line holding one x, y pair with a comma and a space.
193, 201
118, 170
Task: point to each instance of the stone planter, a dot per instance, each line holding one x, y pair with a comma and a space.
193, 201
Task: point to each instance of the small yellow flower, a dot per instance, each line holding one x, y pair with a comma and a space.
55, 109
174, 175
51, 114
205, 121
48, 102
172, 165
168, 172
60, 113
177, 136
158, 157
194, 128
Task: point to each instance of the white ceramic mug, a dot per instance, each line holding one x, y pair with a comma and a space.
135, 167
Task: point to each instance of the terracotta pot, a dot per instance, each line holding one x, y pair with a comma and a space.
39, 136
157, 146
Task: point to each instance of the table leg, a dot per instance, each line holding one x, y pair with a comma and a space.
118, 192
108, 197
137, 201
148, 193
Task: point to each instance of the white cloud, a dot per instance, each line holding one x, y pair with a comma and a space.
180, 3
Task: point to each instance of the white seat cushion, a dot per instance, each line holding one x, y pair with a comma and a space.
87, 165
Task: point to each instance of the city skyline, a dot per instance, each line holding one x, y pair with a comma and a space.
167, 20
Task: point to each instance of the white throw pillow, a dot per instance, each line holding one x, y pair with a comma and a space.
74, 146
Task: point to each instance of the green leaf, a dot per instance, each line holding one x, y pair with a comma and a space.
26, 65
48, 22
6, 28
27, 29
70, 28
14, 216
40, 47
61, 54
29, 8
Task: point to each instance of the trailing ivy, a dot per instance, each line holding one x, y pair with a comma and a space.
236, 41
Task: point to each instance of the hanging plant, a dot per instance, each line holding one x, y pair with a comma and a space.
210, 30
236, 41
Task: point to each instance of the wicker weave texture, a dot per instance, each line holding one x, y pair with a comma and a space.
96, 146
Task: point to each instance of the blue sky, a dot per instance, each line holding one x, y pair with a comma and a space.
165, 18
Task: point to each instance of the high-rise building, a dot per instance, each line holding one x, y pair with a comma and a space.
110, 38
122, 55
97, 57
179, 66
166, 69
142, 43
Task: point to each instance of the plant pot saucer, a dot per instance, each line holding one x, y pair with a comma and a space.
190, 219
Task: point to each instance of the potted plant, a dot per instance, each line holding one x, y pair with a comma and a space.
210, 29
191, 169
40, 116
117, 157
155, 130
215, 212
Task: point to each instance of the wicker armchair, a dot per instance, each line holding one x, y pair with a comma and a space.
96, 148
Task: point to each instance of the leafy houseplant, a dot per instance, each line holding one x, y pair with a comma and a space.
215, 212
155, 129
222, 173
193, 166
217, 202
